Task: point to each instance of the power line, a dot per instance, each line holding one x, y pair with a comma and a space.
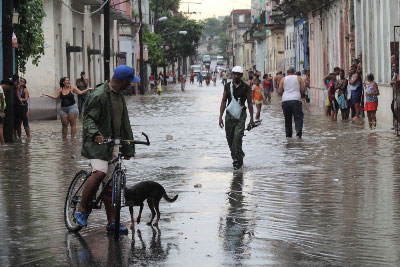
84, 13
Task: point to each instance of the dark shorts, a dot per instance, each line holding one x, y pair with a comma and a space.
1, 120
355, 97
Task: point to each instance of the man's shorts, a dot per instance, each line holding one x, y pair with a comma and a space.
104, 166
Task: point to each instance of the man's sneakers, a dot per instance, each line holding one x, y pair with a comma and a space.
81, 218
111, 228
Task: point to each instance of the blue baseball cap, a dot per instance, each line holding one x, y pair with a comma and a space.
125, 73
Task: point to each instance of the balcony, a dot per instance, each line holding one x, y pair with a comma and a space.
90, 2
119, 9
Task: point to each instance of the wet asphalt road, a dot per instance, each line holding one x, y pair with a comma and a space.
331, 199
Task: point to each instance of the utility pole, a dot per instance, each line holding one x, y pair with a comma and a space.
8, 68
141, 65
107, 40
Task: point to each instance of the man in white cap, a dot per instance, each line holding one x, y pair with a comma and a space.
105, 116
234, 127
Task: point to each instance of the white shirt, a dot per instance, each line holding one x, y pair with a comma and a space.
291, 88
1, 90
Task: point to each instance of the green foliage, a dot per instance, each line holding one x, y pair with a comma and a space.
225, 41
180, 45
154, 47
164, 6
29, 32
212, 26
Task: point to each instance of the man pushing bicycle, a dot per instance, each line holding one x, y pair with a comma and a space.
105, 116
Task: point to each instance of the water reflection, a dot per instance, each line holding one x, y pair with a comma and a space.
234, 228
102, 250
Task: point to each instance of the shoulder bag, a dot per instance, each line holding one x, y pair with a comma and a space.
234, 108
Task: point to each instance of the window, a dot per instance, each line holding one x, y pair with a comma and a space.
241, 18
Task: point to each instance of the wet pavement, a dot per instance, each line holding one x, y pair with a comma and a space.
331, 199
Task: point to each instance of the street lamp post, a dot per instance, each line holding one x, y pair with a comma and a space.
141, 62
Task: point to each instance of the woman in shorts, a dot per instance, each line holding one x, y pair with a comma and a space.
69, 109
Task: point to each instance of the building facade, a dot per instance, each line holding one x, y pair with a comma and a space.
74, 42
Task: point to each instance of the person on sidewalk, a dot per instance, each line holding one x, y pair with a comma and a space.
291, 88
105, 115
2, 114
371, 100
234, 128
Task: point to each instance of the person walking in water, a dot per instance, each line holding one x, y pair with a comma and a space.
69, 110
234, 128
291, 88
258, 98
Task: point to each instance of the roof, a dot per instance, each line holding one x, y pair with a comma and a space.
241, 11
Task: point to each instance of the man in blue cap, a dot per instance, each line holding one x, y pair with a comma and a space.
105, 116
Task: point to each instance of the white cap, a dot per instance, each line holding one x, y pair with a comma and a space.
237, 69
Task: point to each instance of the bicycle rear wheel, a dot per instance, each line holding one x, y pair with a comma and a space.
118, 184
72, 200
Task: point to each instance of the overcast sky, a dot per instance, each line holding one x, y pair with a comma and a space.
209, 8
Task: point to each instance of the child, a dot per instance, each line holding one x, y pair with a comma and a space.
371, 105
183, 83
159, 87
258, 98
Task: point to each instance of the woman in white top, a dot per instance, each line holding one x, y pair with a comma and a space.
292, 88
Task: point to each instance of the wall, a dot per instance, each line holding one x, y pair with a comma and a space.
58, 27
329, 42
374, 22
276, 51
289, 43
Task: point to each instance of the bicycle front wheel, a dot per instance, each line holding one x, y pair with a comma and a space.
73, 199
118, 185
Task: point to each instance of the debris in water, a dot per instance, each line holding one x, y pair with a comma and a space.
197, 186
180, 233
169, 137
73, 157
336, 180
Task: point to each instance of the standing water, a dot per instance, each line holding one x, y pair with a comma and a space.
329, 199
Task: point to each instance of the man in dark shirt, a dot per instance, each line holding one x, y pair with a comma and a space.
234, 128
82, 84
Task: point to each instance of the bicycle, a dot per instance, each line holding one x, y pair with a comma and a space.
117, 180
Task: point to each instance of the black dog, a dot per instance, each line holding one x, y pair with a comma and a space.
153, 192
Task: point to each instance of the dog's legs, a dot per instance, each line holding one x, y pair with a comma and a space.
150, 202
132, 221
140, 213
158, 212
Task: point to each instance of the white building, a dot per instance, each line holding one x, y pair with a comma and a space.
73, 43
289, 43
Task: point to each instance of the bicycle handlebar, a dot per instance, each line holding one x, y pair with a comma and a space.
118, 141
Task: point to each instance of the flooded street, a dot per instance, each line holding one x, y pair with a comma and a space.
332, 198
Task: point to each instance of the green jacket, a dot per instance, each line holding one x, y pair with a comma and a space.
97, 120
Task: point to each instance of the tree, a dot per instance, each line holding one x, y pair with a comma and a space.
154, 47
29, 32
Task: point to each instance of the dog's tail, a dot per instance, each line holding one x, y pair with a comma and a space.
166, 197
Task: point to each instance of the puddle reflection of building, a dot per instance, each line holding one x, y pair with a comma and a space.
234, 230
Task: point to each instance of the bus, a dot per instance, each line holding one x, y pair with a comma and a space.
220, 60
196, 69
206, 59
